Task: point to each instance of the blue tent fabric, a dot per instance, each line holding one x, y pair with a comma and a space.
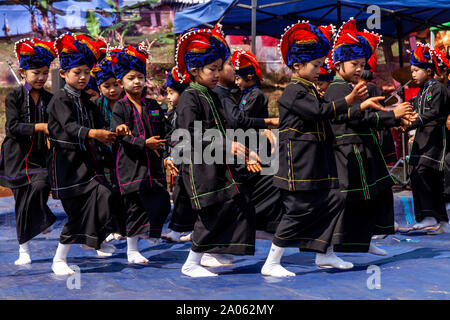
273, 19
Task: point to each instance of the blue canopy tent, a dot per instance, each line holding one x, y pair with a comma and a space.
398, 18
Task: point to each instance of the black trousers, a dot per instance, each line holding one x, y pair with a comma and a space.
32, 213
366, 218
146, 212
227, 227
312, 220
183, 216
91, 217
428, 192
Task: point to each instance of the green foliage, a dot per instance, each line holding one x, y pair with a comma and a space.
92, 24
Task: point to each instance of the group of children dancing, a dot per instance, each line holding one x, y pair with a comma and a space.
107, 157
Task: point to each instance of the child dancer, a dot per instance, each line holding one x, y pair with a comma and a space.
307, 175
364, 178
428, 149
265, 197
110, 93
325, 77
444, 70
183, 216
225, 223
139, 160
24, 150
77, 140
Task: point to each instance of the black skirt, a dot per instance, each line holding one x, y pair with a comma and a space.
32, 213
91, 217
312, 221
267, 201
146, 212
427, 186
365, 218
183, 216
227, 227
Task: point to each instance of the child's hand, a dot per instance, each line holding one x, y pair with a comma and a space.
272, 121
373, 103
253, 163
123, 130
239, 150
41, 127
102, 135
155, 143
170, 167
359, 92
402, 110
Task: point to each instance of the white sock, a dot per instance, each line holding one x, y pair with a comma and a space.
426, 222
192, 267
134, 256
215, 260
24, 255
272, 266
373, 249
173, 236
106, 250
59, 265
331, 260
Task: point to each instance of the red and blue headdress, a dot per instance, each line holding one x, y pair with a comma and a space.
172, 81
104, 69
199, 47
350, 44
327, 72
78, 50
441, 58
34, 53
131, 58
424, 57
245, 63
303, 42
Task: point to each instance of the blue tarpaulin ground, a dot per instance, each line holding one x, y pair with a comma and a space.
417, 267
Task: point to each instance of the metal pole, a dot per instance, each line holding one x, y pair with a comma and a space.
254, 7
432, 38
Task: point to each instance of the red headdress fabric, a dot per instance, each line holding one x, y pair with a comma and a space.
199, 47
245, 63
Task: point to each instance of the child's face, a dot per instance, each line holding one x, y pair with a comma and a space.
172, 96
322, 86
77, 77
244, 83
133, 82
227, 74
309, 70
351, 70
111, 89
208, 75
419, 75
35, 77
94, 94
